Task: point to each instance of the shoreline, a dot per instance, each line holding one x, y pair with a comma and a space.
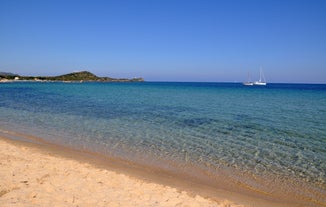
181, 185
38, 174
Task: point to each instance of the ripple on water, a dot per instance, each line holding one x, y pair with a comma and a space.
208, 126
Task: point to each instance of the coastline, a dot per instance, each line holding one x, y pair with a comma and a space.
39, 173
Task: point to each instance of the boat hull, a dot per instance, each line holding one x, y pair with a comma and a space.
248, 84
257, 83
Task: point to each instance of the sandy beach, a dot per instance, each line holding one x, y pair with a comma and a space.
33, 177
40, 174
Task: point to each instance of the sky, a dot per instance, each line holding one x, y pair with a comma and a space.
166, 40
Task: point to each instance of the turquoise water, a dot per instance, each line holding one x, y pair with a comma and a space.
277, 131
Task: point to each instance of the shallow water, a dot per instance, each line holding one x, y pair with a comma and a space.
277, 131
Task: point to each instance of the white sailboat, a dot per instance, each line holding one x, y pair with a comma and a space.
261, 81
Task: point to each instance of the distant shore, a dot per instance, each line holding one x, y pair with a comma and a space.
66, 81
83, 76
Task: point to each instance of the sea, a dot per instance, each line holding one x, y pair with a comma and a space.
266, 139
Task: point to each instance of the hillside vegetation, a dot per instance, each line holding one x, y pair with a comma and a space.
75, 76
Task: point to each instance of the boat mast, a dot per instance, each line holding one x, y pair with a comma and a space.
262, 75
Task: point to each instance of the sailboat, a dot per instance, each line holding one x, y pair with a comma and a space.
261, 81
249, 82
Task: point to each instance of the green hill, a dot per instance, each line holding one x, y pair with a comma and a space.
76, 76
7, 75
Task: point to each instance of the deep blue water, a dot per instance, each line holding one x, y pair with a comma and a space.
278, 130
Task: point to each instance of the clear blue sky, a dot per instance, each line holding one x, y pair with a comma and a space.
166, 40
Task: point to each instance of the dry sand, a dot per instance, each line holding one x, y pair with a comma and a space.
30, 176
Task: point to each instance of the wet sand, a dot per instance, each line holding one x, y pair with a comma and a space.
38, 174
